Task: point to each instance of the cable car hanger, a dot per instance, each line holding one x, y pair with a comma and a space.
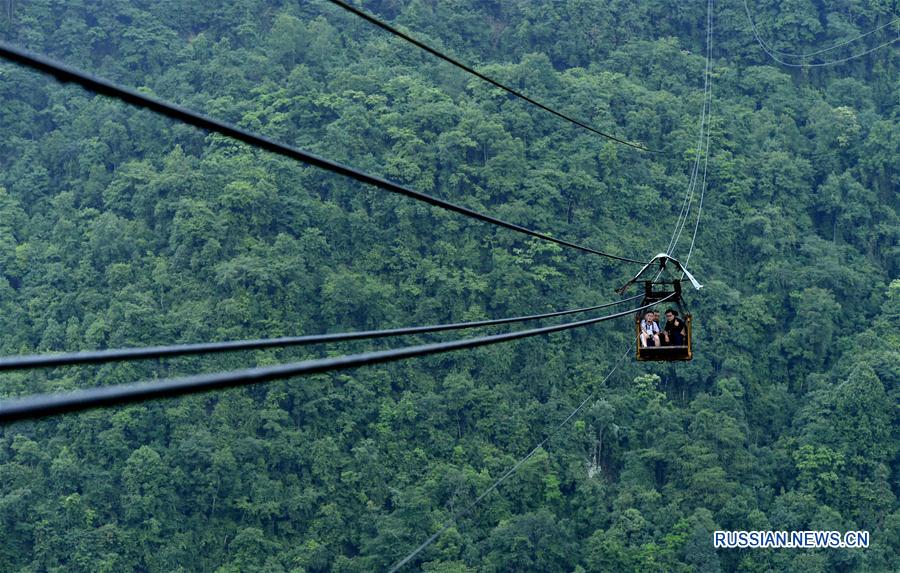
675, 342
663, 259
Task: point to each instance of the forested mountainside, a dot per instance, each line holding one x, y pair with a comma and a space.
122, 228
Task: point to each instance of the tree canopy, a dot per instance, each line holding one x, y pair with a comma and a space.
119, 227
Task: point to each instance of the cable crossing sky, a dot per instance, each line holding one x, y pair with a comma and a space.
65, 73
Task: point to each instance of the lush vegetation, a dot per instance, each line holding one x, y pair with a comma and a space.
118, 227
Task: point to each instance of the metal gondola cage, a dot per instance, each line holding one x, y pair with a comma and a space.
668, 293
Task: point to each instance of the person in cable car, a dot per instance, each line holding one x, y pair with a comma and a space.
675, 331
649, 330
674, 342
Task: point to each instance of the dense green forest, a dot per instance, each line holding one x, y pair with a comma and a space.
119, 227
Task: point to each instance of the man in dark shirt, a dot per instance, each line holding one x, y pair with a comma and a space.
675, 332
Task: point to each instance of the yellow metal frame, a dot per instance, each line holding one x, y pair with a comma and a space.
690, 342
637, 336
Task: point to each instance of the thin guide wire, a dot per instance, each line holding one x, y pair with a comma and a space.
772, 53
509, 473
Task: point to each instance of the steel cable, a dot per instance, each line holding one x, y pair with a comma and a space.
65, 73
433, 51
40, 405
174, 350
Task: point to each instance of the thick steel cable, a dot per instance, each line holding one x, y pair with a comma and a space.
434, 52
174, 350
41, 405
509, 473
65, 73
771, 53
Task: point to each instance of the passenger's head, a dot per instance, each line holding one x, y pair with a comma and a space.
671, 314
649, 315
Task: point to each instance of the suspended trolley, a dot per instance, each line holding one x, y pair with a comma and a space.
664, 332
